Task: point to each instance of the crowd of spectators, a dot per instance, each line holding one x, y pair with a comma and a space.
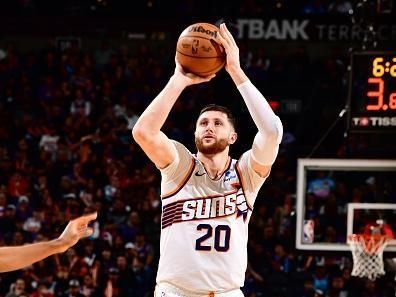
66, 149
185, 7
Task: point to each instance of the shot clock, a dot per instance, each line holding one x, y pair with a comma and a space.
372, 92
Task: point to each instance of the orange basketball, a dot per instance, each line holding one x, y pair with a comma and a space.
197, 52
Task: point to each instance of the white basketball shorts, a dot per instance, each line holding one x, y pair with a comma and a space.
168, 290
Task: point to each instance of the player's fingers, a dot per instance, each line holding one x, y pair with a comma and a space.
224, 39
177, 62
225, 45
208, 78
179, 67
225, 34
88, 217
219, 40
88, 232
229, 35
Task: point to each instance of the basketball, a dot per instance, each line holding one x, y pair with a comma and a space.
197, 52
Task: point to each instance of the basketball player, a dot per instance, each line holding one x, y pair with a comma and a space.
16, 257
207, 198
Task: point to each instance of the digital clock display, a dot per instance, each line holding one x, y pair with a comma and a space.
372, 92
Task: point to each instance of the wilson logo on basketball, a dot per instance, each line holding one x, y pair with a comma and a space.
201, 29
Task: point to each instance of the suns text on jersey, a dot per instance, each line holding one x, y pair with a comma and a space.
212, 207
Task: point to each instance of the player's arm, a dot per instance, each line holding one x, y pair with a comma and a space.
266, 143
16, 257
147, 131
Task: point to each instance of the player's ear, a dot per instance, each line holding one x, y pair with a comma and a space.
233, 137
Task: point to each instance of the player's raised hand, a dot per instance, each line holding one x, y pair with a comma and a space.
76, 229
187, 79
228, 42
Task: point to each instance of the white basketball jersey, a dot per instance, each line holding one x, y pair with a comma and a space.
205, 223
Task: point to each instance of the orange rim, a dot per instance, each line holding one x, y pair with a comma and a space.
371, 242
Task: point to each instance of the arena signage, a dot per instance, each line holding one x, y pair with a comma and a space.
307, 29
273, 29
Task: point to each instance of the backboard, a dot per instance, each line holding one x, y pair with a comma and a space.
339, 197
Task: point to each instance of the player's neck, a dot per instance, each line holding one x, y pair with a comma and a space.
215, 164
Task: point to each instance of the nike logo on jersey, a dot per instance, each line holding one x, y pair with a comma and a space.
199, 173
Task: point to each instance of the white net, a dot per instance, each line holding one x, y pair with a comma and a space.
367, 252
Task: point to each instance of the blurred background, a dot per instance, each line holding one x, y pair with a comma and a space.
76, 75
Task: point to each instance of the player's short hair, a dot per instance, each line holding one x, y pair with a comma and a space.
223, 109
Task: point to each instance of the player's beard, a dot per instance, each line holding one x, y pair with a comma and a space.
210, 149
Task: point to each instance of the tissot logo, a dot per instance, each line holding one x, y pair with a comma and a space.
374, 121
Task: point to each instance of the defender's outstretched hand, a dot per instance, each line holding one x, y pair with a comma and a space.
228, 42
188, 79
16, 257
76, 229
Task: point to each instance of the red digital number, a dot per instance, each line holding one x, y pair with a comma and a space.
378, 94
392, 101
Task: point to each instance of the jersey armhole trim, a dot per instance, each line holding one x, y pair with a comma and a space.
238, 172
184, 181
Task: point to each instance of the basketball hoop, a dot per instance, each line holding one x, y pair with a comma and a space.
367, 251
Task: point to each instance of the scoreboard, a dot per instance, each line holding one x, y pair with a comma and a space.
372, 92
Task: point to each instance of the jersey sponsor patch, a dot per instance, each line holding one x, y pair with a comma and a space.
229, 175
